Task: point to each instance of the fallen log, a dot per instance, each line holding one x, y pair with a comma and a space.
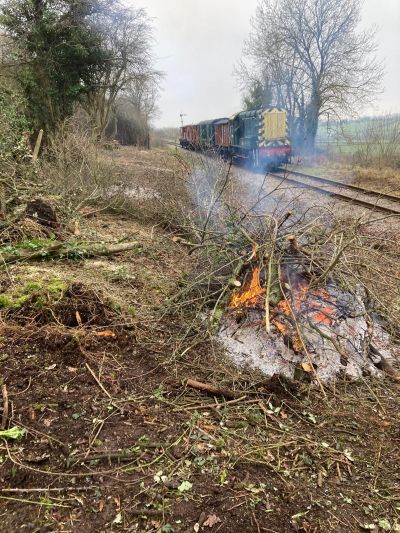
61, 250
102, 250
31, 256
211, 389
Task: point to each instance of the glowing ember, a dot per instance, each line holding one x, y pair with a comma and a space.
250, 296
315, 300
297, 345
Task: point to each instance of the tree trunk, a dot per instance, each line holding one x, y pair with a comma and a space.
311, 124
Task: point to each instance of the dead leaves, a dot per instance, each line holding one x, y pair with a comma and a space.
307, 367
212, 519
381, 423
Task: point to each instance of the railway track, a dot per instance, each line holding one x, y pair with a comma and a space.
394, 208
342, 185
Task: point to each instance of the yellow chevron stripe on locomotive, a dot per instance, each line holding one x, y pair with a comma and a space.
273, 127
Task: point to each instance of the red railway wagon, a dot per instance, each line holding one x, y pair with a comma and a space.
190, 137
222, 132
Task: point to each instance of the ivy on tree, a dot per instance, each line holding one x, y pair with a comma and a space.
58, 53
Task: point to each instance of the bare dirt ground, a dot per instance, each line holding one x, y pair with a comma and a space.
95, 365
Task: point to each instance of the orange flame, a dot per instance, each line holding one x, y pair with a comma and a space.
250, 296
315, 302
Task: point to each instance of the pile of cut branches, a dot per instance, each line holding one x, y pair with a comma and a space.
232, 242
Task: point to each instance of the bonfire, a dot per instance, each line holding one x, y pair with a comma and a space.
280, 321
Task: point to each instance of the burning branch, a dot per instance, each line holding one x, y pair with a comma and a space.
300, 336
223, 299
269, 275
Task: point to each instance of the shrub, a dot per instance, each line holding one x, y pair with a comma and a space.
74, 168
14, 128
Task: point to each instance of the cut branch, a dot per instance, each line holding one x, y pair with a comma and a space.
62, 250
211, 389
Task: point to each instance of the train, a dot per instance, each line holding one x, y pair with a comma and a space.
257, 137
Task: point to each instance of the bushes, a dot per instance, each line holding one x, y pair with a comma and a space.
14, 128
74, 168
15, 150
128, 126
57, 54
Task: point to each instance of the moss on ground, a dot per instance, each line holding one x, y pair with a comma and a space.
44, 292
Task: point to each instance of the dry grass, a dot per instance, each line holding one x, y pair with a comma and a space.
154, 185
385, 180
74, 168
78, 172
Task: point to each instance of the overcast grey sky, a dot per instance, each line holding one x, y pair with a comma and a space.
199, 41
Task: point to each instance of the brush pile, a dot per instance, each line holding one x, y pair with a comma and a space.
282, 321
288, 292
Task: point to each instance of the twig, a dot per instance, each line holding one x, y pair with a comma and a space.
119, 456
375, 396
310, 361
269, 279
41, 503
219, 308
103, 388
212, 406
49, 489
237, 505
211, 389
256, 521
333, 262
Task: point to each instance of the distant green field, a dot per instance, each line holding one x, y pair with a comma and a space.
365, 138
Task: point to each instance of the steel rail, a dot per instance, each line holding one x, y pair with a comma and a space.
332, 194
340, 184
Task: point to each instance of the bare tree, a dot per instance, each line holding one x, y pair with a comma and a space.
134, 110
127, 36
317, 59
142, 93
